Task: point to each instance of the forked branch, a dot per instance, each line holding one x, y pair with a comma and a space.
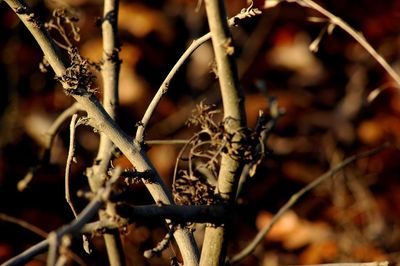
100, 119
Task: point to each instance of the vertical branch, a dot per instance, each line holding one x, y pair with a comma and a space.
110, 74
109, 70
70, 159
214, 246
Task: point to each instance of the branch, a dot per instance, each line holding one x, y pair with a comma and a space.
334, 20
167, 141
104, 123
142, 126
55, 127
48, 143
23, 224
294, 198
214, 245
70, 159
110, 73
177, 213
73, 228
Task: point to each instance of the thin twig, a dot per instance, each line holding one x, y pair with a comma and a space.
353, 33
167, 141
142, 126
294, 198
55, 127
162, 245
177, 213
70, 159
48, 143
23, 224
73, 228
53, 249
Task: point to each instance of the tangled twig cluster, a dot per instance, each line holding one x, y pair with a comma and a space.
65, 25
197, 184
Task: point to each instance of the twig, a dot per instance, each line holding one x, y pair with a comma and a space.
142, 126
102, 196
265, 129
23, 224
162, 245
104, 123
36, 230
54, 128
70, 159
167, 141
53, 249
178, 213
294, 198
334, 20
48, 143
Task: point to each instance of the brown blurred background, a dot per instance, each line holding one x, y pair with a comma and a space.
328, 117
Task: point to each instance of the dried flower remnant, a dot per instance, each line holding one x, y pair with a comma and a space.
78, 79
204, 150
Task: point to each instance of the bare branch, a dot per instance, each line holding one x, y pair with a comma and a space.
49, 139
142, 126
73, 228
167, 141
294, 198
23, 224
178, 213
334, 20
70, 159
214, 245
104, 123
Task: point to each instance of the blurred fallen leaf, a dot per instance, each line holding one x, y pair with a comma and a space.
292, 231
293, 53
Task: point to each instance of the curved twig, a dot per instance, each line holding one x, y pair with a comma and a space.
23, 224
142, 126
334, 20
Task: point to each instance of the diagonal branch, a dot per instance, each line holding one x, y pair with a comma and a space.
72, 228
336, 21
294, 198
104, 123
